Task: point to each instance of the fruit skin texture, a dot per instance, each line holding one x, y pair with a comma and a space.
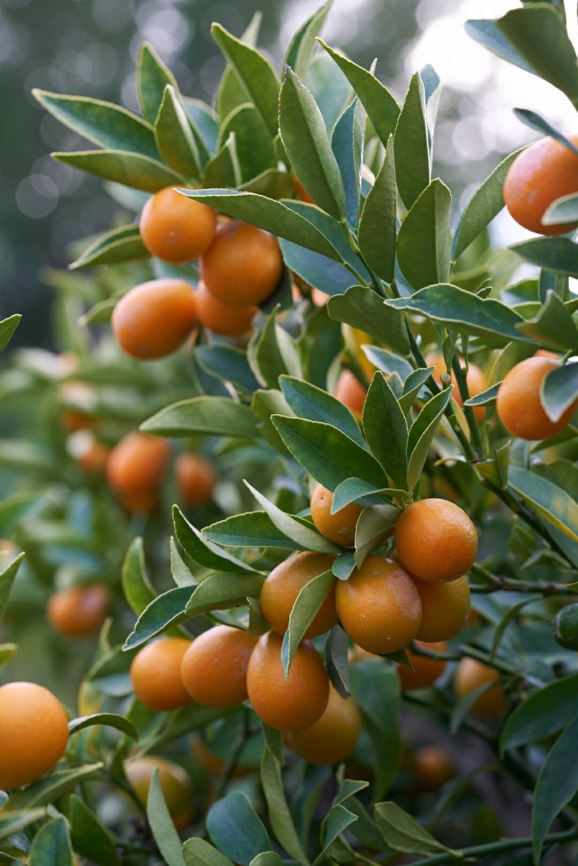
287, 704
282, 586
543, 172
175, 228
471, 675
338, 527
80, 610
433, 767
566, 627
519, 407
333, 736
444, 608
214, 667
195, 479
435, 540
475, 380
222, 318
155, 673
243, 264
174, 781
350, 392
426, 670
155, 318
379, 606
137, 463
33, 733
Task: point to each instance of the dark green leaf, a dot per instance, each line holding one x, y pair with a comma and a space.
161, 824
559, 390
537, 122
336, 660
166, 610
421, 434
201, 549
135, 581
347, 145
556, 786
209, 416
130, 169
229, 364
111, 720
7, 578
152, 78
89, 836
7, 328
551, 502
236, 830
412, 155
253, 141
556, 254
307, 538
274, 353
223, 168
112, 248
223, 591
174, 137
252, 529
403, 833
306, 607
375, 689
51, 845
423, 245
377, 228
363, 308
315, 404
541, 715
278, 808
386, 430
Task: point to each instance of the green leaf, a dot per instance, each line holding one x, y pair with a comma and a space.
51, 845
336, 822
223, 168
274, 353
506, 621
135, 581
465, 312
484, 205
15, 822
412, 155
152, 78
300, 50
7, 578
553, 324
313, 403
372, 528
377, 227
535, 121
376, 691
330, 88
252, 529
535, 39
197, 852
363, 308
484, 398
208, 416
382, 109
103, 123
305, 140
386, 430
229, 364
7, 328
112, 248
266, 213
267, 858
422, 432
542, 714
52, 787
253, 141
278, 808
336, 660
223, 591
555, 254
204, 125
201, 549
174, 138
327, 453
265, 404
563, 210
272, 183
89, 836
423, 245
129, 169
161, 824
231, 92
306, 607
110, 720
318, 271
307, 538
551, 502
7, 652
236, 830
556, 785
347, 145
356, 490
559, 390
254, 71
165, 610
403, 833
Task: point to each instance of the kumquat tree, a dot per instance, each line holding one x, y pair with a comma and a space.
289, 521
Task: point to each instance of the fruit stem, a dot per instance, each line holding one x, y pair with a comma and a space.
482, 851
498, 582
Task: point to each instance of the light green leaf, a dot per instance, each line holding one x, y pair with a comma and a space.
306, 607
135, 581
197, 852
223, 168
7, 578
304, 536
161, 824
111, 720
298, 56
278, 808
208, 416
7, 328
559, 390
403, 833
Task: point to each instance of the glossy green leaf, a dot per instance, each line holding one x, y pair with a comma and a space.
484, 205
129, 169
559, 390
336, 822
298, 56
274, 353
208, 416
89, 836
563, 210
422, 433
382, 109
356, 490
347, 145
377, 227
273, 216
336, 660
553, 324
16, 822
204, 125
315, 404
253, 141
556, 254
542, 714
112, 248
152, 79
318, 271
51, 845
280, 816
556, 785
372, 528
135, 581
110, 720
363, 308
255, 73
236, 829
174, 137
7, 328
229, 364
403, 833
326, 452
412, 155
423, 244
165, 610
306, 607
52, 787
7, 578
307, 538
222, 591
551, 502
535, 121
386, 429
305, 140
535, 39
252, 529
103, 123
201, 549
223, 168
197, 852
161, 824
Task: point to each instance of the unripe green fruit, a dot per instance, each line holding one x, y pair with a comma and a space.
566, 627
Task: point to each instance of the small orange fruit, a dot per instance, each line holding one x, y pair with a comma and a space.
433, 767
287, 704
89, 453
338, 527
214, 667
155, 673
175, 228
137, 463
174, 781
350, 392
475, 380
519, 406
379, 606
281, 588
221, 318
425, 670
195, 479
471, 675
444, 608
436, 540
80, 610
333, 736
